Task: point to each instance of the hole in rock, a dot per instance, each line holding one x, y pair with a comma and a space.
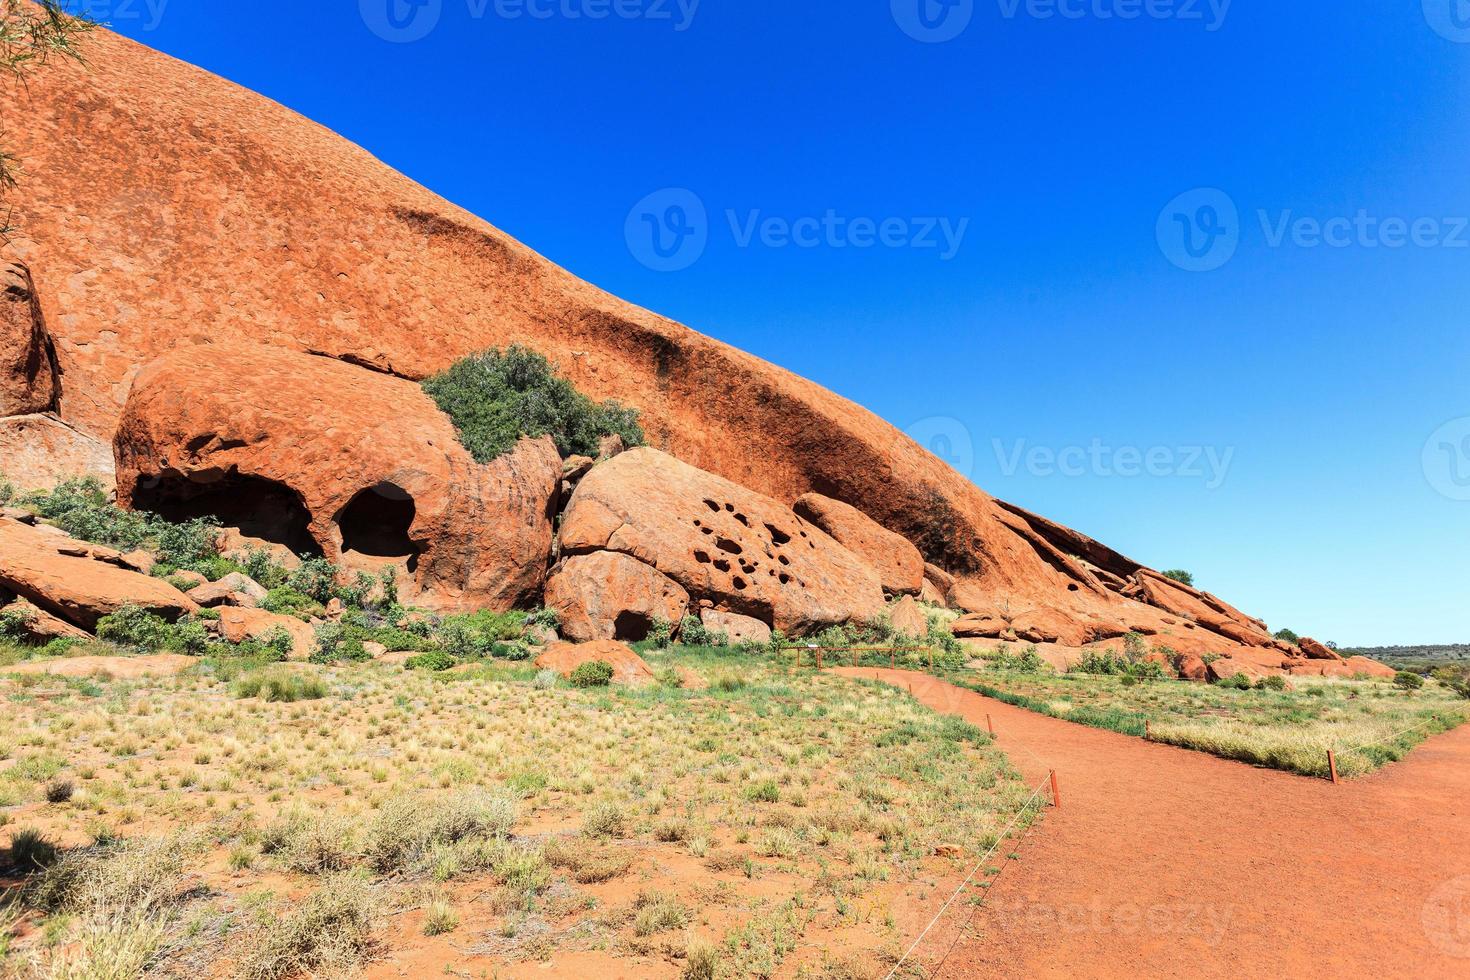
1072, 587
258, 507
730, 508
722, 565
701, 557
631, 627
742, 520
739, 583
783, 559
778, 536
725, 544
375, 525
785, 579
711, 504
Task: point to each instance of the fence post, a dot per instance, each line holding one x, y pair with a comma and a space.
797, 668
1148, 731
1332, 765
931, 660
892, 659
854, 657
1056, 796
989, 724
819, 658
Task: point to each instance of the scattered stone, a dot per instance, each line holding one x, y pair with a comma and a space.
628, 668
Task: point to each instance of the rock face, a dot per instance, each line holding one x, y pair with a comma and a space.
899, 565
325, 457
721, 542
628, 667
611, 596
238, 624
28, 376
39, 451
79, 590
908, 618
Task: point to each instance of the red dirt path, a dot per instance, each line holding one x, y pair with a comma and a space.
1167, 862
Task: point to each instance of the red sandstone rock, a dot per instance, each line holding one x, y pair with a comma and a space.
323, 456
329, 251
1191, 667
909, 618
738, 628
39, 451
232, 590
979, 626
40, 626
28, 375
898, 563
930, 593
78, 590
628, 667
1313, 650
240, 623
1226, 668
610, 596
721, 542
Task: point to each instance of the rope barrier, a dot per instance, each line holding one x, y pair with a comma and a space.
1004, 836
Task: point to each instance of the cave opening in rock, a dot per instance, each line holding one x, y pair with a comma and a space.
632, 627
376, 523
258, 507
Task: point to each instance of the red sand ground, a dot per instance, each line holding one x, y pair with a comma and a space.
1167, 862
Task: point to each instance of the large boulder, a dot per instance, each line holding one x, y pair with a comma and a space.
908, 618
722, 542
326, 457
628, 667
79, 590
1313, 650
240, 623
39, 626
899, 565
611, 596
737, 628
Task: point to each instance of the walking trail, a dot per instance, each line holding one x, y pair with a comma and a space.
1167, 862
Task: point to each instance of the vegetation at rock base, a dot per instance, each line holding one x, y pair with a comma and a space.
495, 398
30, 36
1181, 576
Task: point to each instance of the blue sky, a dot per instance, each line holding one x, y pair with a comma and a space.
1290, 425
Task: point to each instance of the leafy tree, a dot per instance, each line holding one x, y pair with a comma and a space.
31, 34
1181, 576
497, 397
1288, 635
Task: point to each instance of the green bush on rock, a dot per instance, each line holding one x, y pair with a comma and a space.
496, 397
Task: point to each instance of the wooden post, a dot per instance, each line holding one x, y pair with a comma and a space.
1148, 732
1332, 765
1056, 796
892, 659
797, 668
989, 724
931, 660
819, 658
854, 657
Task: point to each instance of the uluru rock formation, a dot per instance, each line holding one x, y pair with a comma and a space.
232, 292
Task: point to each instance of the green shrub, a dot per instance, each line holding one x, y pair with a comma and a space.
7, 491
594, 673
1406, 680
1288, 635
494, 398
1181, 576
1238, 682
661, 633
434, 660
1028, 661
314, 577
15, 625
1273, 683
288, 602
133, 626
280, 686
